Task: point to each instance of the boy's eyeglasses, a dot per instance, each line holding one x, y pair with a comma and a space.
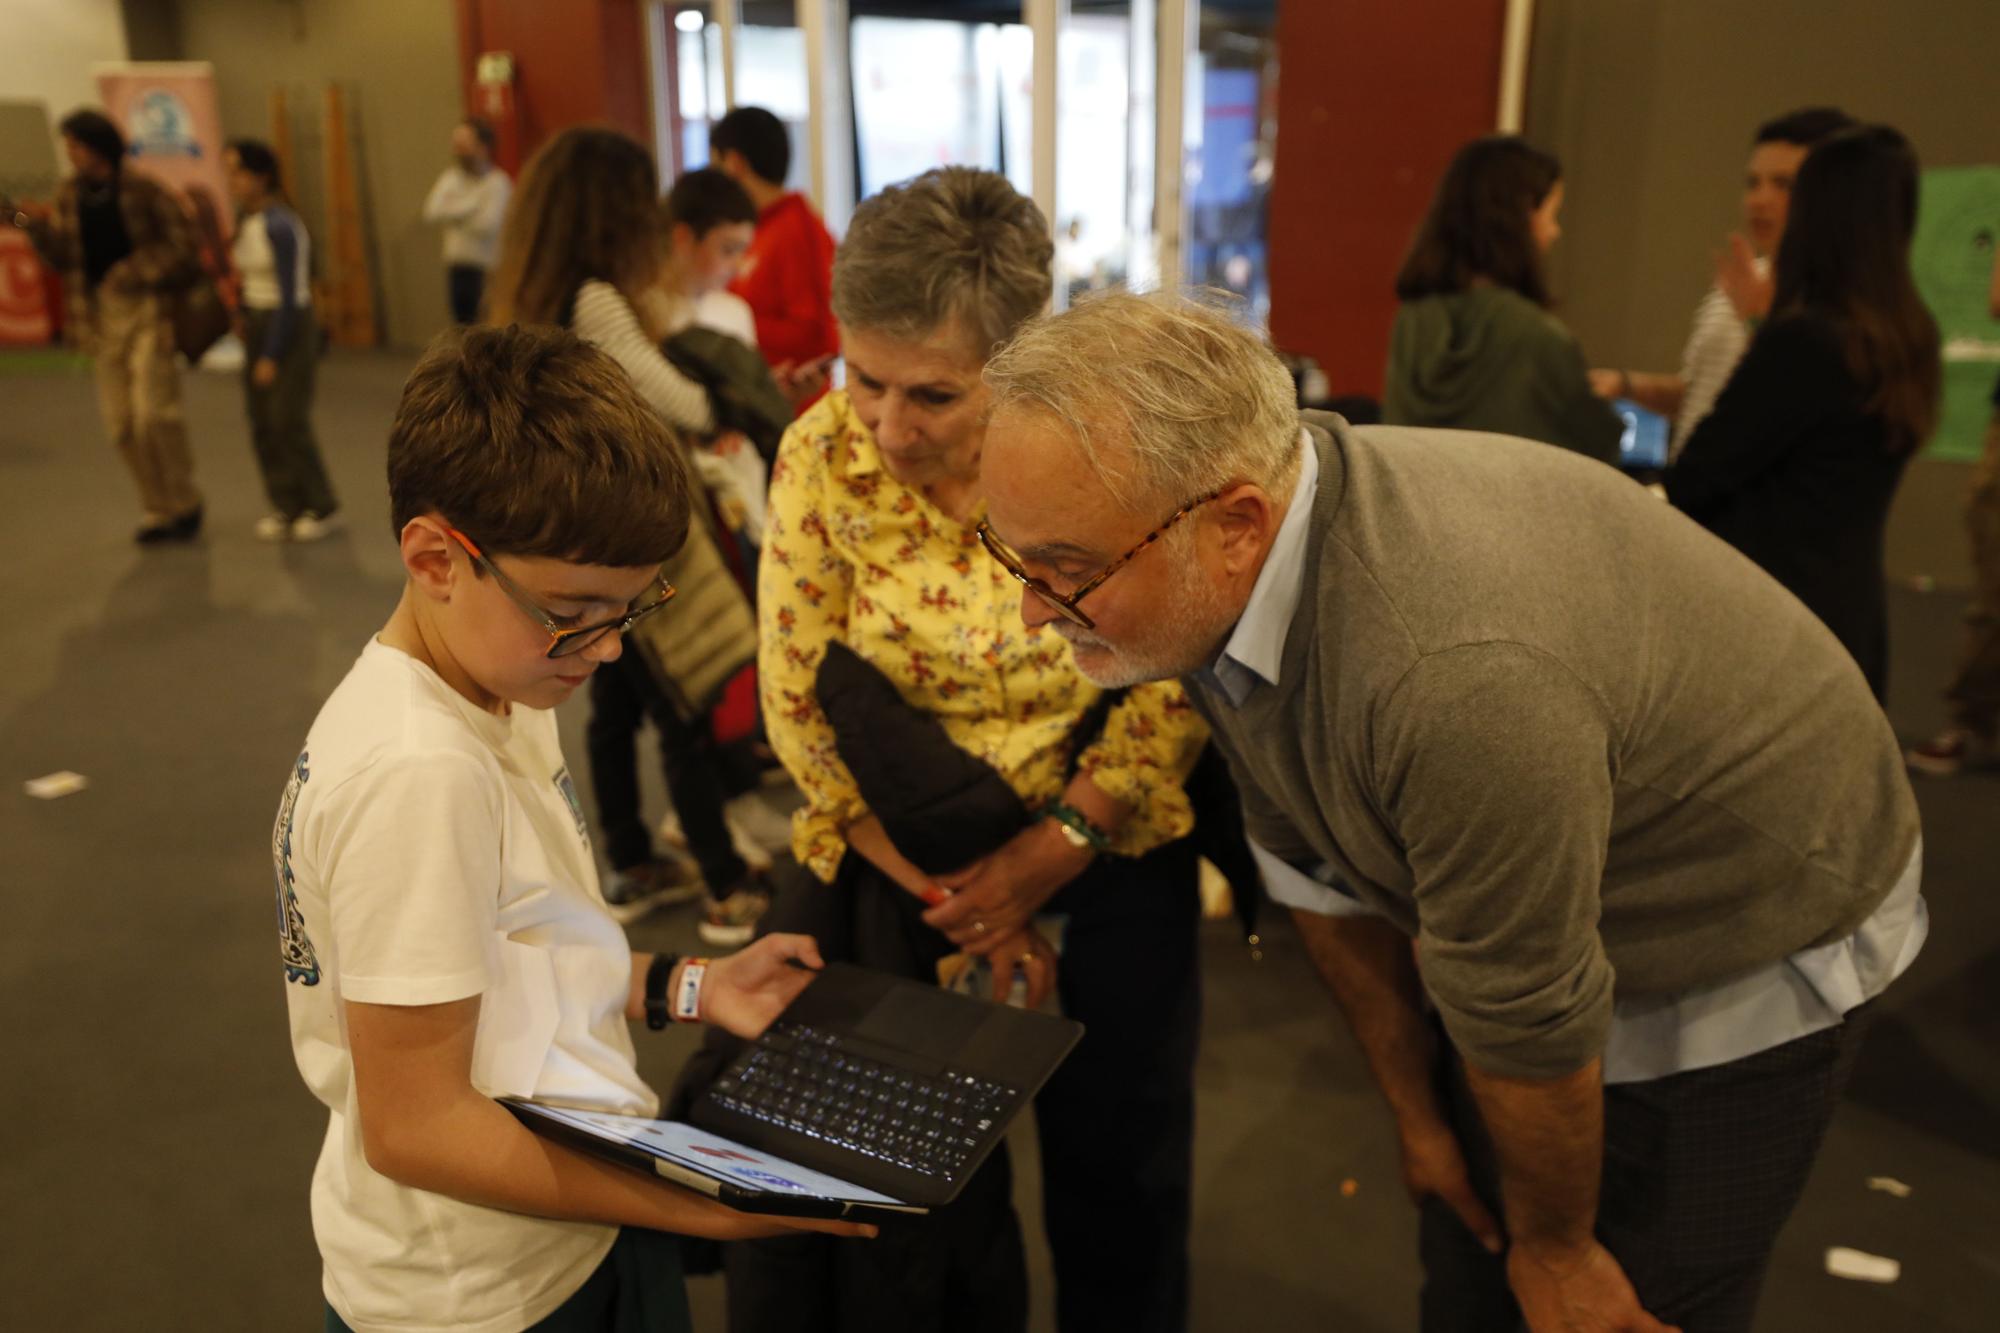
565, 641
1065, 604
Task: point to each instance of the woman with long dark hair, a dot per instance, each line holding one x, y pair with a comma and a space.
1799, 461
1474, 346
273, 258
582, 246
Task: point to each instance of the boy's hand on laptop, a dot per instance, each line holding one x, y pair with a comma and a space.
745, 991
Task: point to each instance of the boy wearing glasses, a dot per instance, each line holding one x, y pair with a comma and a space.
443, 936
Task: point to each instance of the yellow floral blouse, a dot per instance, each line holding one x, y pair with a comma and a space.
852, 553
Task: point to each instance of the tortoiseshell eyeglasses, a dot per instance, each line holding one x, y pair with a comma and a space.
1065, 604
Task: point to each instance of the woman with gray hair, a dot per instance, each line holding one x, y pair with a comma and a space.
872, 545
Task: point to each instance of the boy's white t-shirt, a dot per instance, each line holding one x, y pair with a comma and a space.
427, 851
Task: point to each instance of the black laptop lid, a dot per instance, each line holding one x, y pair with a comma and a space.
890, 1020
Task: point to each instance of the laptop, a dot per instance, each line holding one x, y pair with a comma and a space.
870, 1094
1643, 446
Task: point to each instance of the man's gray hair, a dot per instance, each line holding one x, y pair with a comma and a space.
1196, 401
954, 244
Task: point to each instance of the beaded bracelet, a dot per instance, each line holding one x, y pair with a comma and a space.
1077, 827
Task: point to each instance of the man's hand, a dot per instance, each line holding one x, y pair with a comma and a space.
1748, 290
1027, 953
1434, 1167
745, 991
1609, 383
265, 373
993, 897
1576, 1290
802, 383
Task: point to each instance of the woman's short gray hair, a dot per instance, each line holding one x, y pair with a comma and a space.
1197, 401
954, 244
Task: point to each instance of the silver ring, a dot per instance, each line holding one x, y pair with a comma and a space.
979, 927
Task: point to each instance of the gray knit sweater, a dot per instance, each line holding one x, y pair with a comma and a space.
1562, 737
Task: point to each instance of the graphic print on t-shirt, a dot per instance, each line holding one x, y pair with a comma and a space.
295, 950
567, 786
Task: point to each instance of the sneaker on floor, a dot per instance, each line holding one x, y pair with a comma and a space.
273, 528
310, 527
632, 893
157, 531
1950, 753
731, 922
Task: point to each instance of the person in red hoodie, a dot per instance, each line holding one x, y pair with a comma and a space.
787, 274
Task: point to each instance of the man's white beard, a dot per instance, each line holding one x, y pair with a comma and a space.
1180, 641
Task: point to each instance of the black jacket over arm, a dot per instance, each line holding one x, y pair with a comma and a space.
1791, 470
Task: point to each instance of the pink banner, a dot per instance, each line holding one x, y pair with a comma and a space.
174, 128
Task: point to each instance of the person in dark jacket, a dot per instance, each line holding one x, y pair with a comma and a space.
1798, 463
125, 249
1474, 346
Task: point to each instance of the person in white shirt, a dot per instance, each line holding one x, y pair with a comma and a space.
709, 221
469, 201
273, 258
443, 938
1741, 294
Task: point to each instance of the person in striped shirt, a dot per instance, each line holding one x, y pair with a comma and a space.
1740, 296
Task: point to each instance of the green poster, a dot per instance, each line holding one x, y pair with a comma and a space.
1958, 225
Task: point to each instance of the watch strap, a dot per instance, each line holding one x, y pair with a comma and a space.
658, 1014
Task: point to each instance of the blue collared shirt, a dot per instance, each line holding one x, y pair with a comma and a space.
1651, 1036
1257, 645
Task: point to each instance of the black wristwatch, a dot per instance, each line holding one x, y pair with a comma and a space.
657, 977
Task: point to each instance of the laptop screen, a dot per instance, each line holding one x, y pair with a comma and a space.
711, 1155
1644, 443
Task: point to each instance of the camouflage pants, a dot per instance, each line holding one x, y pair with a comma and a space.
139, 394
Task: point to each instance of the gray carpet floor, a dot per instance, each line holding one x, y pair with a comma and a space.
156, 1142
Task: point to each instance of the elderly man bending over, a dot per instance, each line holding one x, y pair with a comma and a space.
1525, 751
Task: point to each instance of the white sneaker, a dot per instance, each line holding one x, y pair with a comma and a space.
274, 528
631, 894
731, 922
310, 527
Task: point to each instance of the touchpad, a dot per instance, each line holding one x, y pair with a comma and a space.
921, 1020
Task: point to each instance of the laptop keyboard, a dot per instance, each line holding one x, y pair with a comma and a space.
804, 1079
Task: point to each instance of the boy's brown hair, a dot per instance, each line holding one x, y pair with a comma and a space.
532, 442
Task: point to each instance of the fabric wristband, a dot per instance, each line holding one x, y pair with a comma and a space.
657, 1014
687, 995
1078, 823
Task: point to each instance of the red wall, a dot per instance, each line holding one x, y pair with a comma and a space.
1374, 96
577, 62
